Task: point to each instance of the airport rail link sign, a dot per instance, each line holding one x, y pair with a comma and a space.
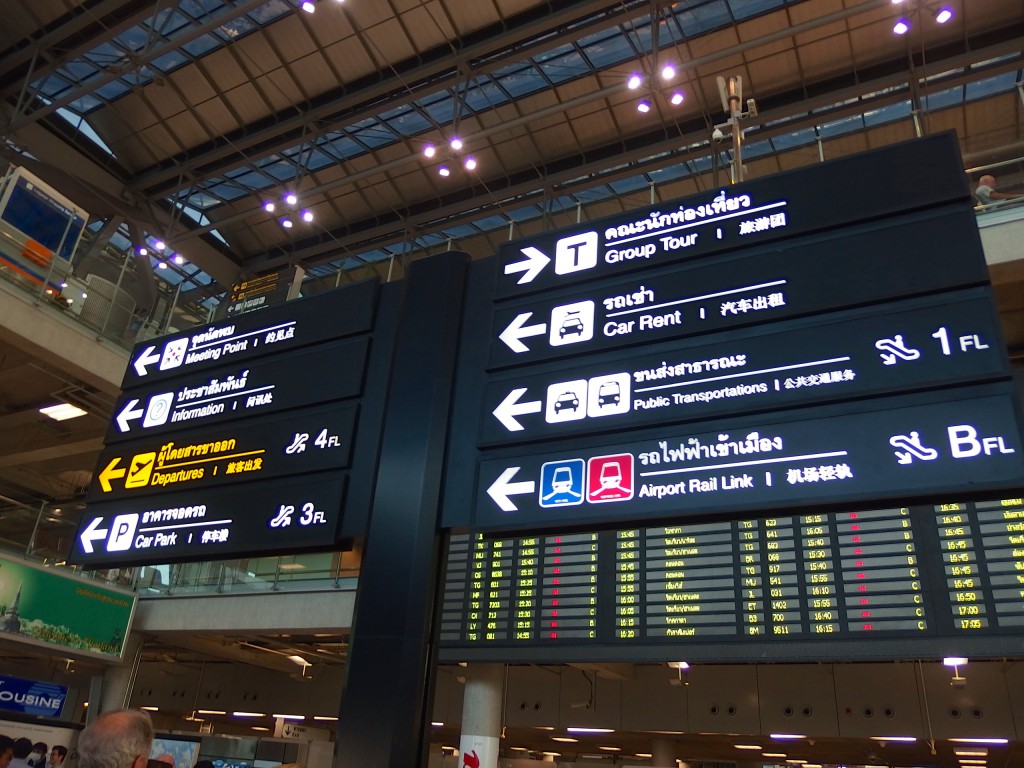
209, 523
227, 343
911, 255
912, 344
921, 173
247, 389
303, 440
905, 447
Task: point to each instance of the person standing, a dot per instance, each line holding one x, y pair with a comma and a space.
119, 739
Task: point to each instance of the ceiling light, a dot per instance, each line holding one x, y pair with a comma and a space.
162, 265
470, 164
780, 755
971, 752
746, 746
609, 749
455, 143
159, 245
644, 754
443, 170
179, 259
296, 659
552, 754
291, 198
795, 761
679, 664
954, 661
519, 749
893, 738
211, 712
286, 223
259, 728
308, 6
590, 730
290, 717
634, 82
668, 72
944, 14
325, 718
248, 714
981, 741
565, 739
973, 761
307, 215
901, 27
643, 106
62, 411
784, 736
676, 98
437, 724
269, 206
143, 251
429, 151
151, 709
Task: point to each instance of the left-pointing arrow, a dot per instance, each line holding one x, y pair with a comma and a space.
501, 489
93, 533
148, 357
510, 407
110, 472
129, 413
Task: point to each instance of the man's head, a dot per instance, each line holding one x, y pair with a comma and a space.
987, 181
57, 754
121, 739
22, 748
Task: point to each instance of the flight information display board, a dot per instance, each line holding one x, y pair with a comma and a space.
690, 590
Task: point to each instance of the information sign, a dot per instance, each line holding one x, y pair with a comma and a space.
304, 440
886, 448
893, 260
909, 345
923, 173
211, 523
321, 373
282, 328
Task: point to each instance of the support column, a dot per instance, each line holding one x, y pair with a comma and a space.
481, 715
116, 688
663, 753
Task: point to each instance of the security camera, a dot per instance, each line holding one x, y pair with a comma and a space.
717, 135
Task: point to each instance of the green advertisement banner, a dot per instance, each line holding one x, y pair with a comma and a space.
43, 606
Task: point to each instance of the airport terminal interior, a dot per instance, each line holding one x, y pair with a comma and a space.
202, 150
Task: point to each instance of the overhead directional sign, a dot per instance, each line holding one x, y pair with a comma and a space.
286, 516
320, 373
728, 218
912, 344
306, 440
901, 449
752, 288
244, 337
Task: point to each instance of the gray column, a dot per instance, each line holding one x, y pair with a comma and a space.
118, 681
481, 714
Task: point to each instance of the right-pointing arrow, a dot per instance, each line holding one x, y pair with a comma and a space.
93, 533
531, 266
501, 489
510, 407
148, 357
518, 329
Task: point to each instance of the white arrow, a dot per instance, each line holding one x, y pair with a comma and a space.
518, 329
531, 266
91, 534
510, 407
128, 414
148, 357
501, 489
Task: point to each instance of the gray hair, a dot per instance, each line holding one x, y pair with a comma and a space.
116, 739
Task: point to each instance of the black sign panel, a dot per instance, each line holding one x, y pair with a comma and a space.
901, 582
890, 448
206, 524
268, 332
304, 440
919, 174
318, 374
914, 255
910, 345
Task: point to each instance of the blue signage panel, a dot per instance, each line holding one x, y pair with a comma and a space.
917, 343
31, 697
877, 451
319, 374
918, 174
904, 257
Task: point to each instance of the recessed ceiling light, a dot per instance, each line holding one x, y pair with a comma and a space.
609, 748
981, 741
211, 711
746, 746
289, 717
565, 739
62, 411
787, 736
573, 729
894, 738
248, 714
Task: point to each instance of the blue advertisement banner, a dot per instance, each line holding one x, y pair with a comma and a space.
31, 697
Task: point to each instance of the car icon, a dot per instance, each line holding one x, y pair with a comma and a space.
571, 324
608, 393
567, 400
